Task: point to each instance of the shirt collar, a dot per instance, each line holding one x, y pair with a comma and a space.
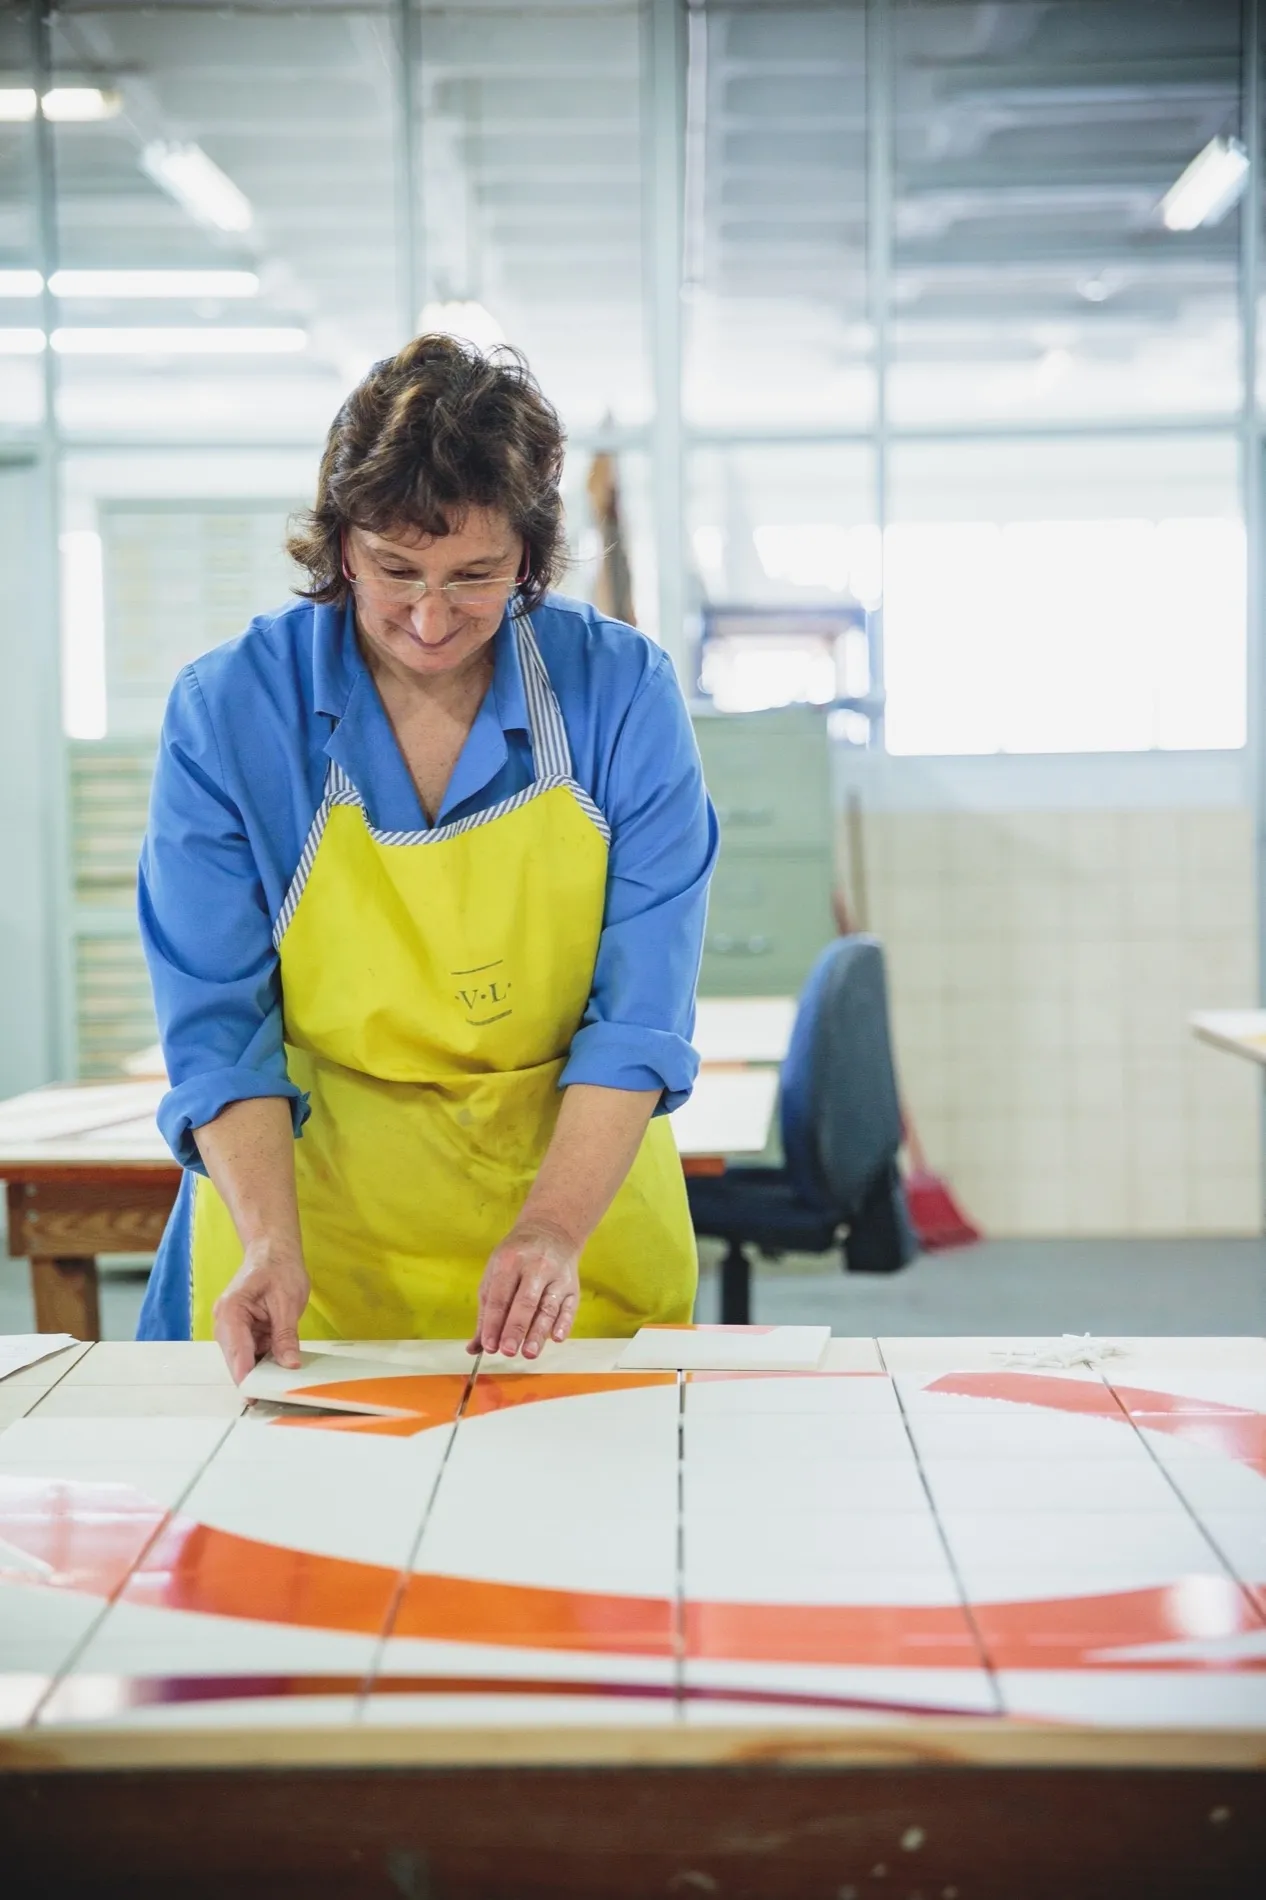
337, 665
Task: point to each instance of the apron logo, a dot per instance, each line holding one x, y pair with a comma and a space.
490, 995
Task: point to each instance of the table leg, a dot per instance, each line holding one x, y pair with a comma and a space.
736, 1287
65, 1292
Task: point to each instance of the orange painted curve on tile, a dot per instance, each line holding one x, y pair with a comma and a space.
432, 1399
1235, 1430
196, 1568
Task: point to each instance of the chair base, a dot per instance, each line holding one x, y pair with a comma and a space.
736, 1286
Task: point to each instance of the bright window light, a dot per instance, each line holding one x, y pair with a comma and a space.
467, 320
822, 555
170, 341
1065, 636
83, 636
21, 342
1211, 184
146, 283
747, 674
70, 105
198, 185
20, 283
17, 104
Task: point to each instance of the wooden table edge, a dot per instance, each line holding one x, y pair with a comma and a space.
990, 1742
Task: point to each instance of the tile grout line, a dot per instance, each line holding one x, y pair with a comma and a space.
63, 1374
77, 1649
1245, 1589
985, 1659
406, 1569
679, 1586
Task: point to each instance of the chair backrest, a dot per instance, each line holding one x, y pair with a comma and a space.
841, 1119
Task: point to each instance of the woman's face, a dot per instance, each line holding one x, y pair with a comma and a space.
469, 575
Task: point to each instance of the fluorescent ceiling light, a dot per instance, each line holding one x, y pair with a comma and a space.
21, 342
164, 341
79, 105
1211, 184
20, 283
67, 105
467, 320
17, 104
198, 185
151, 283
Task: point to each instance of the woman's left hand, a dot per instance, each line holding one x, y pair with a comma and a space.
529, 1291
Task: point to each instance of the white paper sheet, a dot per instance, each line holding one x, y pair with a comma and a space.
281, 1385
26, 1349
725, 1349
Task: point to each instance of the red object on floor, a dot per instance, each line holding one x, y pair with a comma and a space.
937, 1219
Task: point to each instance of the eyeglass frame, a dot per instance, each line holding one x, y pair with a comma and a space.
422, 587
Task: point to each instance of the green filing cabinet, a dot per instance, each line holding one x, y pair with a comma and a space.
769, 910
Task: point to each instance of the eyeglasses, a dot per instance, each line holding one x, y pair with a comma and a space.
492, 591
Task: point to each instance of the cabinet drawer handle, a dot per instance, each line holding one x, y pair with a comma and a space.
745, 814
740, 946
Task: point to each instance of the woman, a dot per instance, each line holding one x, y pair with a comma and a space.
424, 885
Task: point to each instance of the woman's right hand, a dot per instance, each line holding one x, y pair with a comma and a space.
260, 1308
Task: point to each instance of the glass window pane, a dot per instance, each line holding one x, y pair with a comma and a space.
782, 526
21, 331
1065, 597
532, 193
229, 230
1034, 272
776, 278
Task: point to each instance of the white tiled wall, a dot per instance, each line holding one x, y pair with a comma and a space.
1043, 966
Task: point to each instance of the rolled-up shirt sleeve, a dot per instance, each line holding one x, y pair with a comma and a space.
207, 935
640, 1017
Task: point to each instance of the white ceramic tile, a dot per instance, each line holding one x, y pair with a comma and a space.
1046, 1553
1215, 1387
864, 1584
97, 1441
1020, 1435
139, 1640
20, 1696
776, 1493
1136, 1698
1080, 1485
401, 1355
561, 1537
19, 1350
997, 1353
133, 1362
851, 1355
625, 1422
726, 1395
44, 1375
139, 1401
1241, 1539
40, 1627
368, 1384
792, 1438
375, 1521
1213, 1485
726, 1348
723, 1551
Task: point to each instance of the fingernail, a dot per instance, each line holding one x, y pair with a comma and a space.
531, 1349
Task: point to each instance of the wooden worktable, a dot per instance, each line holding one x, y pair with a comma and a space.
87, 1173
253, 1658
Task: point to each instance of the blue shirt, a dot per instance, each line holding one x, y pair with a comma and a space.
247, 739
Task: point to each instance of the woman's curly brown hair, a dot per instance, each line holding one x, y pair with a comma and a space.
432, 431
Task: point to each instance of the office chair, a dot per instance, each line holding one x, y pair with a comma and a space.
841, 1130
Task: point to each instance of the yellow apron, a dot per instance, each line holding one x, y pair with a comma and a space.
432, 982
